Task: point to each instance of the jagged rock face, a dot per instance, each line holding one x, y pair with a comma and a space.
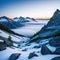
55, 20
52, 29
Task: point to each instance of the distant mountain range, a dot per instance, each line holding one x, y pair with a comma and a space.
22, 19
16, 22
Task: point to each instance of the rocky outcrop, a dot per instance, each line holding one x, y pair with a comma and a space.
14, 56
6, 41
56, 58
45, 50
31, 55
57, 51
55, 41
2, 46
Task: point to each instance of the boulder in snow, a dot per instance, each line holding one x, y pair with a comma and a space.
2, 46
45, 50
31, 55
14, 56
56, 58
55, 41
24, 49
57, 51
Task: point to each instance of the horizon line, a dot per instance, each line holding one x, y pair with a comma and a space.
38, 18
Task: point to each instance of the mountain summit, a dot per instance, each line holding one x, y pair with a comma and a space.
55, 18
51, 29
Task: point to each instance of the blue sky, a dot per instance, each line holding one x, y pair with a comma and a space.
30, 8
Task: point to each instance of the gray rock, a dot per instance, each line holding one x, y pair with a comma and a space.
55, 41
57, 51
24, 49
45, 50
37, 46
2, 46
14, 56
31, 55
56, 58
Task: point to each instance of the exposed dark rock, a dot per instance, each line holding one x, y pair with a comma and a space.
31, 55
6, 41
55, 41
14, 56
57, 51
24, 49
2, 46
45, 50
37, 46
56, 58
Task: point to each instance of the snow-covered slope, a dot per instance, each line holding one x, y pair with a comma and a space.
25, 49
29, 30
4, 55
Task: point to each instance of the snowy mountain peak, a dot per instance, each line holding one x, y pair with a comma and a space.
55, 20
57, 13
4, 18
57, 10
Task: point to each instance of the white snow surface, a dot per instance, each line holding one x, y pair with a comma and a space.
27, 30
4, 55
